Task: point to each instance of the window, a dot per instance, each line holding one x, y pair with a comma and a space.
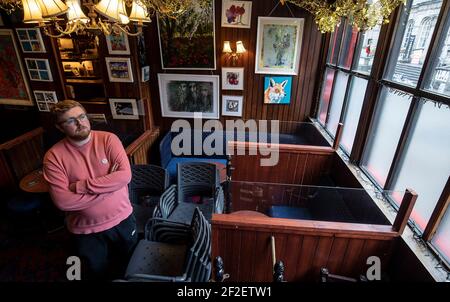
326, 95
385, 133
336, 102
335, 44
424, 166
366, 50
353, 111
348, 47
426, 30
441, 240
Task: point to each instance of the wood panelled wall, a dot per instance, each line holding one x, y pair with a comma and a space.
304, 247
303, 85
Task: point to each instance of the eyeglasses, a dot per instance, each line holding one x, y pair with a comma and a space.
71, 121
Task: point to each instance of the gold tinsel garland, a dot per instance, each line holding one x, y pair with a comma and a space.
360, 13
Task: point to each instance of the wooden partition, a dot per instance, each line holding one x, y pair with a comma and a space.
138, 151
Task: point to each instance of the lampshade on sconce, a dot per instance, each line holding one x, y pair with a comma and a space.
31, 12
113, 10
139, 13
75, 13
234, 56
52, 8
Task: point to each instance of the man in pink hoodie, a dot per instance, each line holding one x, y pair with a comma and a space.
88, 173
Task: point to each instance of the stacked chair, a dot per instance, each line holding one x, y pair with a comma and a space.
147, 184
173, 252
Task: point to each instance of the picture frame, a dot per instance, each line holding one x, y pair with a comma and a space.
277, 89
118, 44
39, 70
232, 105
119, 69
187, 44
182, 95
232, 78
145, 73
124, 109
45, 99
30, 39
14, 86
236, 14
278, 45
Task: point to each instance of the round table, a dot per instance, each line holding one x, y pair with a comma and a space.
34, 182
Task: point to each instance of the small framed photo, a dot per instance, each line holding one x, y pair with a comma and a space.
124, 109
277, 90
232, 78
278, 45
118, 44
236, 13
45, 99
232, 105
30, 40
39, 70
145, 73
119, 69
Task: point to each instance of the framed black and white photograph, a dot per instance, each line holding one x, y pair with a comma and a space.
232, 105
118, 44
45, 97
182, 95
232, 78
145, 73
30, 40
39, 70
119, 69
124, 109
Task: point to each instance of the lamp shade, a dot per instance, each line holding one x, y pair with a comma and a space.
113, 10
240, 47
139, 13
52, 8
226, 47
31, 12
75, 13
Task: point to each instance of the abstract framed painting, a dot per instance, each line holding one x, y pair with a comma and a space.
278, 45
236, 13
14, 88
232, 78
182, 95
277, 89
188, 42
119, 69
232, 105
118, 44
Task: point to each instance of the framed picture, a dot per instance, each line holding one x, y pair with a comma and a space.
124, 109
119, 69
232, 105
236, 13
232, 78
182, 95
14, 88
118, 44
145, 73
39, 70
277, 90
45, 99
188, 42
30, 40
278, 45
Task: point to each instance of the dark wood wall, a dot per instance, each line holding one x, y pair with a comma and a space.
303, 85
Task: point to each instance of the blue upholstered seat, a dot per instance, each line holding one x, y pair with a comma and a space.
289, 212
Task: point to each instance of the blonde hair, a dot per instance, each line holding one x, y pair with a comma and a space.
62, 107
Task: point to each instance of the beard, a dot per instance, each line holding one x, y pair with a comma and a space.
81, 134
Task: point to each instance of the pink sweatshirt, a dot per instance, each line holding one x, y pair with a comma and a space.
101, 199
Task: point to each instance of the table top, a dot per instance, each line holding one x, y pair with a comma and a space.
249, 213
34, 182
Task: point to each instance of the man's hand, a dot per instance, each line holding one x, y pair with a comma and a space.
73, 187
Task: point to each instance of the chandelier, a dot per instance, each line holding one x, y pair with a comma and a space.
362, 14
103, 16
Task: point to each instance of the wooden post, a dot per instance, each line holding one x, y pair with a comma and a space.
438, 212
337, 138
408, 202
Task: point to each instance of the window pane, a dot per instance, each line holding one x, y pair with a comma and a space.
441, 240
353, 111
336, 102
423, 166
439, 81
348, 47
367, 46
325, 95
412, 41
335, 44
385, 133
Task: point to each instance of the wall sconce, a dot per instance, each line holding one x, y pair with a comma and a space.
234, 56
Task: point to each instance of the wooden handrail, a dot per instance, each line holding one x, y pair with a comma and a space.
232, 145
138, 150
337, 138
408, 202
22, 138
